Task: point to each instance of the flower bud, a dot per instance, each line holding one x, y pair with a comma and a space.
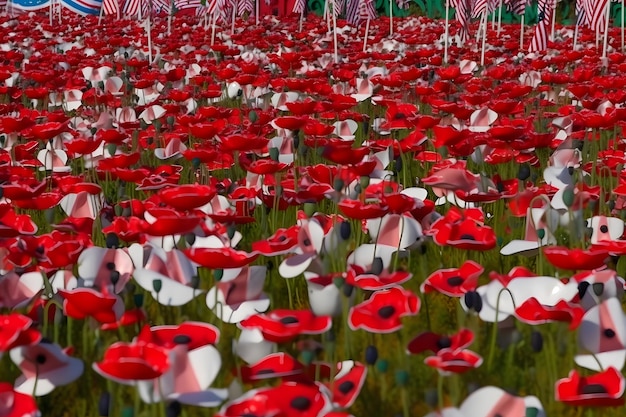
536, 341
371, 355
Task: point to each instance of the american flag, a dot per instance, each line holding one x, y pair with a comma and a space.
30, 4
83, 7
110, 7
131, 7
299, 6
352, 12
582, 17
462, 12
517, 7
245, 6
367, 10
597, 12
186, 4
545, 9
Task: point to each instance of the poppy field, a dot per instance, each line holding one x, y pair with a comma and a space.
282, 220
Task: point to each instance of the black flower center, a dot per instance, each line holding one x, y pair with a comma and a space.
444, 342
115, 277
594, 389
300, 403
346, 386
41, 359
455, 281
110, 266
182, 339
289, 320
604, 228
386, 311
306, 242
377, 266
467, 236
610, 333
265, 371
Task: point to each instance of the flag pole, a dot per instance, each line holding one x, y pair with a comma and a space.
256, 12
234, 16
301, 20
553, 20
482, 51
622, 25
446, 33
149, 30
169, 19
499, 18
575, 36
335, 32
214, 20
367, 29
606, 30
100, 16
390, 17
521, 33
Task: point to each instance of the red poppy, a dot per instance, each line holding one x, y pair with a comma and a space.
133, 362
282, 326
193, 334
16, 404
576, 259
602, 389
454, 361
463, 229
280, 243
531, 311
220, 258
289, 399
356, 209
454, 282
347, 383
382, 312
187, 196
133, 317
275, 365
16, 330
81, 303
435, 342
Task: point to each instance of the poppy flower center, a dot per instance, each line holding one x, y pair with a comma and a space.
610, 333
289, 320
300, 403
182, 339
598, 288
444, 342
110, 266
604, 228
346, 386
466, 236
399, 116
377, 266
455, 281
115, 276
594, 389
386, 311
41, 359
306, 242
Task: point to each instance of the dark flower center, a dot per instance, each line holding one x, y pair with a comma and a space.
594, 389
110, 266
265, 371
598, 288
466, 236
182, 339
306, 242
455, 281
289, 320
41, 359
604, 228
346, 386
300, 403
115, 277
386, 311
610, 333
399, 116
444, 342
377, 266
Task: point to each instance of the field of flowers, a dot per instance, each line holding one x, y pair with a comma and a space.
249, 226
